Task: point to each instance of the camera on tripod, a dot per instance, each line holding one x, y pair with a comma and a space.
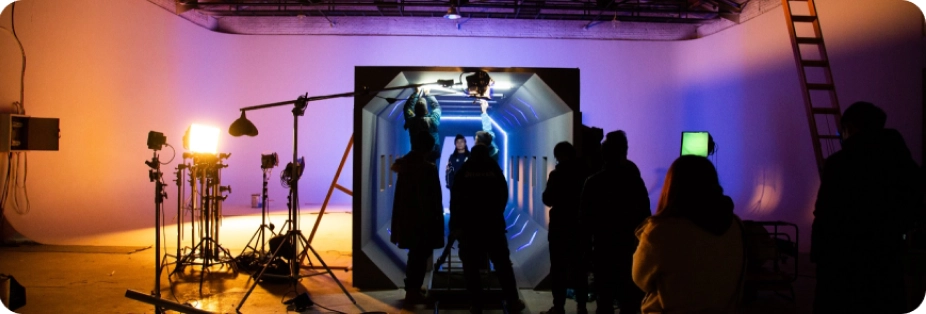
268, 161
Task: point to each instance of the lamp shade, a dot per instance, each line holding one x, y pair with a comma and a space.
242, 126
452, 13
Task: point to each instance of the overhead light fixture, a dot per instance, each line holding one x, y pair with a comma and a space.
242, 126
453, 12
201, 139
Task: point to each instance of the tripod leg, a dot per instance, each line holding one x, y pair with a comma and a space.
257, 279
306, 243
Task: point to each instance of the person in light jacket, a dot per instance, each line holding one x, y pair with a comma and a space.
690, 258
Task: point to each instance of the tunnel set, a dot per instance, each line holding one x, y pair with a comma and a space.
531, 109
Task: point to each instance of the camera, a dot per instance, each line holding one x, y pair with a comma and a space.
268, 161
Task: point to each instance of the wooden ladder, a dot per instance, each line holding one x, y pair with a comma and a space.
334, 185
817, 85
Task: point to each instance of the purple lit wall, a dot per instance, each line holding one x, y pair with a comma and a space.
114, 70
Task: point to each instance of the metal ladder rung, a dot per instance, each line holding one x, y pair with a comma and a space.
803, 18
815, 63
821, 86
825, 111
809, 40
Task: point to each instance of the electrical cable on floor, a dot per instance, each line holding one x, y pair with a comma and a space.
283, 298
332, 310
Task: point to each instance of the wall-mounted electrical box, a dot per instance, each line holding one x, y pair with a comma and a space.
24, 133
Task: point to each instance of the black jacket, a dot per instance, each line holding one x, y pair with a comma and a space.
869, 193
478, 199
562, 194
454, 163
417, 209
614, 203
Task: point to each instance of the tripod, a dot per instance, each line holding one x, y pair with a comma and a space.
260, 256
294, 236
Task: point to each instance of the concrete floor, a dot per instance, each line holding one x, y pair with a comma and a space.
95, 279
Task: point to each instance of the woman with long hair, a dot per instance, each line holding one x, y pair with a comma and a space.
690, 258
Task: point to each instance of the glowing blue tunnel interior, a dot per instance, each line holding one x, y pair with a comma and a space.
528, 119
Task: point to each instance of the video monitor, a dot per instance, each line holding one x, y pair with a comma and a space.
695, 143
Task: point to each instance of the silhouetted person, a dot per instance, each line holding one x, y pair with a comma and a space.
568, 240
477, 205
614, 203
690, 258
417, 213
591, 147
868, 195
422, 117
486, 136
456, 160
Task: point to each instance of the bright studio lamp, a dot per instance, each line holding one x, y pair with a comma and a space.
242, 126
202, 139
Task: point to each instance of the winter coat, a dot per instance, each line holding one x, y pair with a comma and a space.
417, 209
562, 194
478, 199
614, 203
684, 268
868, 192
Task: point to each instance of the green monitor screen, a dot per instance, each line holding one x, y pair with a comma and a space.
695, 143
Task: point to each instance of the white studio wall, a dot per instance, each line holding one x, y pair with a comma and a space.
114, 70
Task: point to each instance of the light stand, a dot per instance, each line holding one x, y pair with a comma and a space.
294, 236
205, 171
180, 197
155, 142
242, 126
260, 256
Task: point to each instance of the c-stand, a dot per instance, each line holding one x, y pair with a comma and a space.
294, 236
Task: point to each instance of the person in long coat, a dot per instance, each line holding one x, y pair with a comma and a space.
417, 213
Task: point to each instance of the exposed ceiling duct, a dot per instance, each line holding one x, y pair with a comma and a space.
589, 19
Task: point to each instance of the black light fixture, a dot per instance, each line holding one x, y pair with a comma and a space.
453, 12
156, 140
479, 85
242, 126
